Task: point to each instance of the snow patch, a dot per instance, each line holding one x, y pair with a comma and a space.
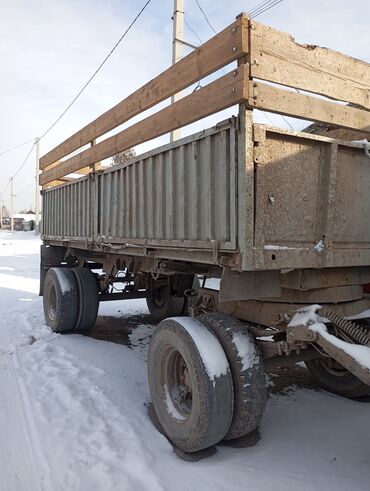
303, 316
246, 350
271, 247
320, 246
210, 350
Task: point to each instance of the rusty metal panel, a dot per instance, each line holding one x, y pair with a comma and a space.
312, 202
351, 197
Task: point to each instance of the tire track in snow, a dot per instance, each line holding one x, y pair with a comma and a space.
89, 437
19, 439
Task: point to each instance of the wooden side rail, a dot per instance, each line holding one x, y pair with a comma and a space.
219, 51
214, 97
337, 92
276, 57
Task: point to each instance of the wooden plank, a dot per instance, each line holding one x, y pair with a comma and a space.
227, 46
276, 57
276, 100
214, 97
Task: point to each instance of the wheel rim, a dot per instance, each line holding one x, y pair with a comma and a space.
178, 387
333, 367
52, 302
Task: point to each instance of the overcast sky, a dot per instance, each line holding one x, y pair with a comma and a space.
49, 48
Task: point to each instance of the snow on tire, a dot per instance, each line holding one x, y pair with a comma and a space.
250, 393
190, 383
60, 299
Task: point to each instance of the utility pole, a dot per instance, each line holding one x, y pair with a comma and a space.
11, 205
177, 49
37, 187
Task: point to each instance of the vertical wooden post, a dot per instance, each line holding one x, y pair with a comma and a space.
246, 198
93, 167
177, 49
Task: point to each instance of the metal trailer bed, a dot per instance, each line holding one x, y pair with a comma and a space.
282, 217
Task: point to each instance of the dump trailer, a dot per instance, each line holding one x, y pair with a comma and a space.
280, 217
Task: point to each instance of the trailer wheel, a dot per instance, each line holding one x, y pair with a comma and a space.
60, 299
245, 360
162, 304
190, 383
333, 377
88, 298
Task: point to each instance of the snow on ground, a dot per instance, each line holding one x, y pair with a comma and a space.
73, 412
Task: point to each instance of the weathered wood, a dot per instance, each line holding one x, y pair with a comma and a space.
227, 46
276, 100
214, 97
276, 57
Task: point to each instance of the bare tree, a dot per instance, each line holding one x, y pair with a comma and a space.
123, 157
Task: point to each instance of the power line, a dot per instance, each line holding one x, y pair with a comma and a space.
263, 7
15, 148
77, 96
87, 83
24, 161
259, 6
19, 168
205, 16
97, 70
193, 31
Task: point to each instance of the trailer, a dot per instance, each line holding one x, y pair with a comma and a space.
280, 217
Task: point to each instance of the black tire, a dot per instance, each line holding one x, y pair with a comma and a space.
162, 304
192, 396
333, 377
88, 298
250, 393
60, 300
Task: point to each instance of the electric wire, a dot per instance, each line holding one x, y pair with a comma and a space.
15, 148
77, 95
205, 16
193, 31
19, 168
258, 6
24, 161
263, 7
98, 69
